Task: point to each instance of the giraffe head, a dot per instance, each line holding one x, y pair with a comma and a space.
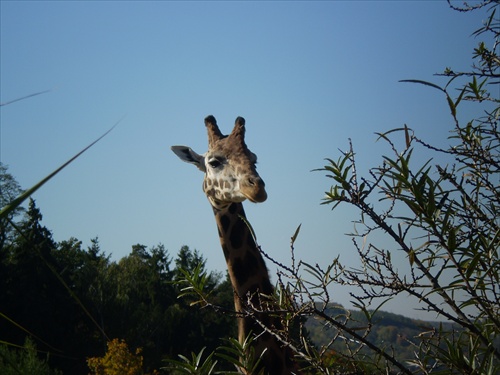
229, 166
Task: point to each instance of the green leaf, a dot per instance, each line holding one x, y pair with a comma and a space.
407, 137
452, 240
313, 271
411, 257
294, 237
451, 104
385, 134
459, 99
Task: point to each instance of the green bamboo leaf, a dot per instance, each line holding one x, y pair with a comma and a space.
342, 162
294, 237
385, 134
431, 203
405, 169
451, 104
379, 306
407, 137
411, 257
473, 265
459, 99
452, 240
473, 86
26, 194
312, 270
392, 164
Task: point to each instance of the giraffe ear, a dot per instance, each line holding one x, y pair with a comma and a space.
189, 156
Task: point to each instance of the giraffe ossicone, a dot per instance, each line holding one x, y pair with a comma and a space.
230, 178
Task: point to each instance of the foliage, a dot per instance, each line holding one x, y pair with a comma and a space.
119, 360
193, 366
24, 360
240, 355
387, 329
9, 190
70, 300
444, 219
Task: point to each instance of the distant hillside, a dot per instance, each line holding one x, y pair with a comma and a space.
388, 330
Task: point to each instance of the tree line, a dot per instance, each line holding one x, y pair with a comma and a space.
71, 301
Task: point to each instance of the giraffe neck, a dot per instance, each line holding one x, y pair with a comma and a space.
251, 283
247, 269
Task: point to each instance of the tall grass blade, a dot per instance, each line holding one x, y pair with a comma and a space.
423, 83
27, 331
24, 97
27, 193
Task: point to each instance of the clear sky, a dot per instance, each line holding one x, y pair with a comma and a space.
305, 75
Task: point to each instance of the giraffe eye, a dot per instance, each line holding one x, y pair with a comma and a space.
215, 163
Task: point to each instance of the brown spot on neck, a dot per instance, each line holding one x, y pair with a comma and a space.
247, 268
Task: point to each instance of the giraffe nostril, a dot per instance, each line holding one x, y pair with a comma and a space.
256, 182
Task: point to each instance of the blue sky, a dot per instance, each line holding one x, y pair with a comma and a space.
306, 76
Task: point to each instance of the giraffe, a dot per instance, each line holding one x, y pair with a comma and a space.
230, 178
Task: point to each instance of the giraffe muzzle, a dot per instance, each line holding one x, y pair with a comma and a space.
254, 190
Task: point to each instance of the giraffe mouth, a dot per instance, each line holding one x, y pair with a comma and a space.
254, 189
258, 195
